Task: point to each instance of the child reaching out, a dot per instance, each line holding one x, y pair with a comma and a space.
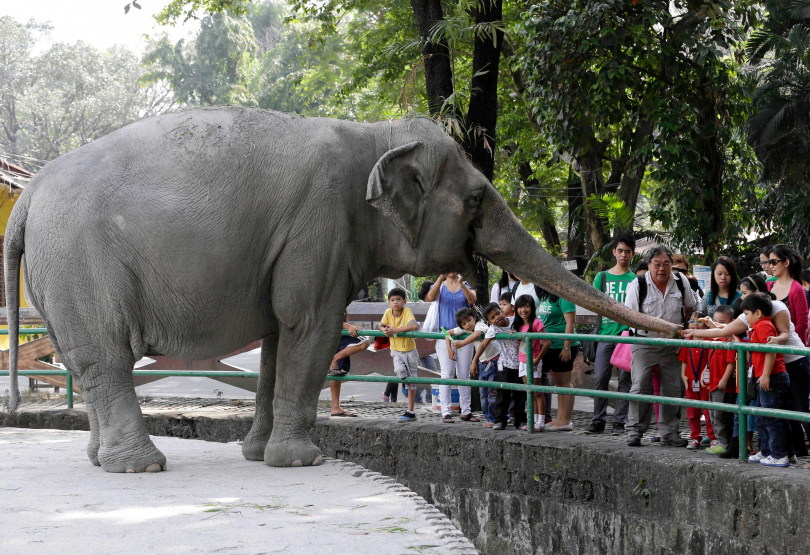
526, 320
487, 366
694, 373
508, 364
722, 384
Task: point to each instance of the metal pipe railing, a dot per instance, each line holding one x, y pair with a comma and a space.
741, 408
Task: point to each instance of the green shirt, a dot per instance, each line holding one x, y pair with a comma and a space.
772, 278
551, 313
615, 288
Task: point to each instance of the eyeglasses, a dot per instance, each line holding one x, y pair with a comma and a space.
774, 261
659, 265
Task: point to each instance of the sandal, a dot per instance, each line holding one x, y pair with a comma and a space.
470, 418
344, 413
489, 424
448, 420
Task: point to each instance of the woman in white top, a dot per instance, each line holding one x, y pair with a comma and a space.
796, 365
507, 283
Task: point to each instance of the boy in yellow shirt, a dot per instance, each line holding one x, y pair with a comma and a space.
397, 319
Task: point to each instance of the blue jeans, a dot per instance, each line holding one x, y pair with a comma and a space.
486, 372
774, 433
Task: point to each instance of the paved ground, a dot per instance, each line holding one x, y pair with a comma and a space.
211, 500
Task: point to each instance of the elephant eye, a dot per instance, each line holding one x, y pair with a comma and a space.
474, 201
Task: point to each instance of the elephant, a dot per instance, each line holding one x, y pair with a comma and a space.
194, 233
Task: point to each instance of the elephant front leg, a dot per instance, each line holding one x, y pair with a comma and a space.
256, 439
303, 362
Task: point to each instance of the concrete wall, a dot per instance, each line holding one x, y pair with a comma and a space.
515, 494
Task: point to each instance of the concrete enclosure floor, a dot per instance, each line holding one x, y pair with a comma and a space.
210, 500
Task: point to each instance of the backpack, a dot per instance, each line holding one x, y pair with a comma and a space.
642, 295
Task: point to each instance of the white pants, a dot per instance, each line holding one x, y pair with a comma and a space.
449, 370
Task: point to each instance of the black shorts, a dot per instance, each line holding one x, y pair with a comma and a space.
552, 362
345, 364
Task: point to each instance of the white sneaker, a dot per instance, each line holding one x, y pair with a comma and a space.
770, 461
693, 444
538, 426
756, 458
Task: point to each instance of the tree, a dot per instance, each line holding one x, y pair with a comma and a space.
620, 86
68, 95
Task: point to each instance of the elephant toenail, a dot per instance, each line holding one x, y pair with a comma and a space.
154, 467
318, 460
297, 462
130, 471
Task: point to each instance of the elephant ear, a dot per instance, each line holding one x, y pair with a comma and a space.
397, 188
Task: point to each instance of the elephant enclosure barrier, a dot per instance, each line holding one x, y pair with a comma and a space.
741, 408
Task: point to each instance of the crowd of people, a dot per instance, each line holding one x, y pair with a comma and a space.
767, 307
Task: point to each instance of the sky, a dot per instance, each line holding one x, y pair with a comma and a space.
100, 23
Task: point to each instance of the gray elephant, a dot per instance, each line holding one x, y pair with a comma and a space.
195, 233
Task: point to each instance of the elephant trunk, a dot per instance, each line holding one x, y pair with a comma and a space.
503, 240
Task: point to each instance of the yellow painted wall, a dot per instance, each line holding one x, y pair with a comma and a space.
7, 201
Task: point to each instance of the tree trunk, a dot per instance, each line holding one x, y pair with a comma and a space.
576, 235
592, 181
438, 69
634, 171
482, 115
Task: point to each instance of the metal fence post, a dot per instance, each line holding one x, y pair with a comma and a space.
69, 390
742, 400
529, 381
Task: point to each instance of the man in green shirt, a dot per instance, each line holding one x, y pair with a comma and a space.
614, 284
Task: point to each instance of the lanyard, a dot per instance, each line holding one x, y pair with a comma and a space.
700, 363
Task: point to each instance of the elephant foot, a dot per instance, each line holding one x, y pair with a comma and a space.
92, 451
129, 458
253, 447
292, 452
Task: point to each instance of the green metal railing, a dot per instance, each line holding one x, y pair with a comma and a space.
741, 408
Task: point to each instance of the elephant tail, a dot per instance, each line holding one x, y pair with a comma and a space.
13, 248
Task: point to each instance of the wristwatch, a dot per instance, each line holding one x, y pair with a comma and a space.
566, 348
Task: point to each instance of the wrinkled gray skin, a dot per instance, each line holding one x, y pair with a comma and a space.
195, 233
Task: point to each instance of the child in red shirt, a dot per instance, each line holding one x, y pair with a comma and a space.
773, 383
722, 385
694, 370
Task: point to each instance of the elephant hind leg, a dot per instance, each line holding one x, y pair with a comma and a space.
107, 387
256, 439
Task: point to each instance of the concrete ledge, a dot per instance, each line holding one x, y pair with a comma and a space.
513, 493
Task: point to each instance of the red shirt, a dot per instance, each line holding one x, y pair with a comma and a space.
760, 333
696, 360
718, 362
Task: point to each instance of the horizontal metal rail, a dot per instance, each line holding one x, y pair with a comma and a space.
741, 348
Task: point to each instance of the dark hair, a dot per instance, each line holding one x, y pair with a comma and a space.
694, 284
757, 283
758, 301
657, 250
625, 238
424, 289
489, 309
766, 250
506, 297
728, 264
503, 282
725, 309
464, 313
786, 252
397, 292
642, 266
698, 313
806, 275
737, 306
524, 300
